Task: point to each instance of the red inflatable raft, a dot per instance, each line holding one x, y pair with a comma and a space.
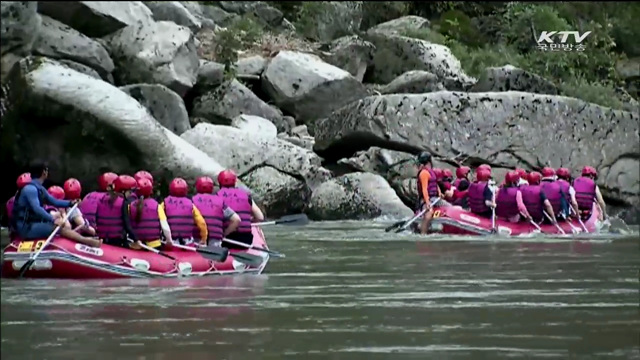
66, 259
454, 220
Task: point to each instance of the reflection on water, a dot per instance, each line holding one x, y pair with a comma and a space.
350, 291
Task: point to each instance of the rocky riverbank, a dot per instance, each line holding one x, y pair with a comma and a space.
311, 127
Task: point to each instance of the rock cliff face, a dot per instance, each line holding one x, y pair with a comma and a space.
91, 87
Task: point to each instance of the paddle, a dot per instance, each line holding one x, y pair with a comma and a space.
574, 229
554, 222
219, 254
289, 220
538, 229
406, 223
148, 248
579, 219
493, 210
33, 258
251, 247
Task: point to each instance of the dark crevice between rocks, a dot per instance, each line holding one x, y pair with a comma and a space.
264, 164
348, 145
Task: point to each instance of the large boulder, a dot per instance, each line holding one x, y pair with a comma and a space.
504, 129
511, 78
97, 18
276, 192
252, 65
82, 69
307, 87
255, 125
356, 196
232, 99
245, 153
413, 82
196, 10
350, 53
82, 126
328, 20
59, 41
402, 25
159, 52
173, 11
396, 54
210, 76
20, 26
164, 104
7, 62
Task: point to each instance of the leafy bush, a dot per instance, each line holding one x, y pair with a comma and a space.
241, 35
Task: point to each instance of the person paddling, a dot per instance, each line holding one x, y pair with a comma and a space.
535, 200
586, 192
552, 190
564, 180
89, 204
523, 176
427, 190
480, 193
29, 218
183, 217
215, 212
112, 216
58, 193
148, 219
509, 204
241, 202
73, 191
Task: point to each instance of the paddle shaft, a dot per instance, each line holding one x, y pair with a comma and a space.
33, 258
579, 219
300, 219
573, 228
238, 243
554, 222
148, 248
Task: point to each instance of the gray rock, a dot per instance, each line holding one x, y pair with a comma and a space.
305, 142
407, 190
81, 68
218, 15
328, 20
161, 52
396, 54
244, 152
230, 100
505, 129
97, 18
307, 87
20, 25
255, 125
278, 193
401, 25
7, 62
266, 14
164, 104
174, 11
81, 125
252, 65
413, 82
350, 53
299, 131
510, 78
59, 41
210, 75
628, 68
237, 7
356, 196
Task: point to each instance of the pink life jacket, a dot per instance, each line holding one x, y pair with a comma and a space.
238, 200
476, 198
148, 228
179, 211
506, 202
212, 209
585, 193
531, 200
89, 205
109, 224
564, 187
551, 189
9, 207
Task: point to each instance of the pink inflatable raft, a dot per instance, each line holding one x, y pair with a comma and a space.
454, 220
66, 259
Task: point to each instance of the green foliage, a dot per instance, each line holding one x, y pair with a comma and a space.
240, 35
377, 12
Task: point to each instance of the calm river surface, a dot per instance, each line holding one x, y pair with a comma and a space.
351, 291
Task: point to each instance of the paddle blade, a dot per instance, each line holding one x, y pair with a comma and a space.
248, 259
215, 253
25, 267
395, 225
293, 220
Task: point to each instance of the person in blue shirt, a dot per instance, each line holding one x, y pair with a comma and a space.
30, 220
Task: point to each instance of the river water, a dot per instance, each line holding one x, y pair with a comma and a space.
351, 291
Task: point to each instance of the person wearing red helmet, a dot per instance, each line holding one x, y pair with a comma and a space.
462, 174
241, 202
58, 213
428, 190
564, 180
551, 189
215, 212
29, 218
481, 199
445, 183
112, 216
183, 216
523, 176
509, 204
143, 174
535, 200
587, 191
461, 187
148, 220
73, 191
89, 204
22, 180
